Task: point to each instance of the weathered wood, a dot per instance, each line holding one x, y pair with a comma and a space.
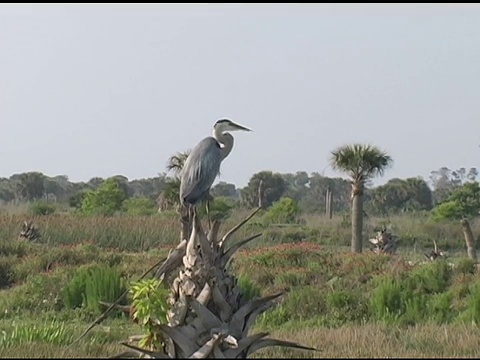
206, 349
213, 232
244, 344
30, 231
173, 261
469, 239
209, 317
260, 195
123, 308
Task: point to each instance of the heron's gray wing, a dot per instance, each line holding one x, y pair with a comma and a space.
200, 170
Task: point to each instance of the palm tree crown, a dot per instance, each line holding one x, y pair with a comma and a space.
360, 162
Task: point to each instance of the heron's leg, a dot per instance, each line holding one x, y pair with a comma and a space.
207, 209
193, 213
185, 220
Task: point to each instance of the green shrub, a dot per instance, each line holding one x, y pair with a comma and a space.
39, 294
305, 302
250, 290
416, 309
473, 310
6, 271
90, 285
17, 248
294, 277
140, 206
106, 200
150, 308
440, 308
431, 278
415, 297
274, 317
42, 208
284, 211
294, 235
220, 208
387, 303
345, 306
465, 266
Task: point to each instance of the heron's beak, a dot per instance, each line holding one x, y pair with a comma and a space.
240, 127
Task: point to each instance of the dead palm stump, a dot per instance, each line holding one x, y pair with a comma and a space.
209, 315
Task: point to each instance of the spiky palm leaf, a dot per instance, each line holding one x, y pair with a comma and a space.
177, 161
210, 316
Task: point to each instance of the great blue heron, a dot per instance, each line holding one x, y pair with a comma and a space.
203, 163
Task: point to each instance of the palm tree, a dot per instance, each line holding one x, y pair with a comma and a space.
172, 189
362, 163
176, 162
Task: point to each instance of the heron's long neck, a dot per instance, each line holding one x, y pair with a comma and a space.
225, 140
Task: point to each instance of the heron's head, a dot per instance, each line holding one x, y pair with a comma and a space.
223, 125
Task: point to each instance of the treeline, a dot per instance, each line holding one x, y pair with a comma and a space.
308, 190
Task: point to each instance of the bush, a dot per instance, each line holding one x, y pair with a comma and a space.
431, 278
250, 290
418, 296
465, 266
220, 208
150, 308
6, 271
305, 302
285, 211
140, 206
42, 208
440, 306
473, 311
345, 306
38, 295
106, 200
387, 302
90, 285
17, 248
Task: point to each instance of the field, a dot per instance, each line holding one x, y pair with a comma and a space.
345, 305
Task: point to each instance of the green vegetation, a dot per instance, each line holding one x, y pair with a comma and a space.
149, 303
91, 285
98, 237
327, 286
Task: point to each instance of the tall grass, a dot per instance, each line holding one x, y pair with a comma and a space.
142, 233
91, 285
51, 333
332, 295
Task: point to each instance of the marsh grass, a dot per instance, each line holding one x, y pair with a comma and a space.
354, 341
334, 300
380, 341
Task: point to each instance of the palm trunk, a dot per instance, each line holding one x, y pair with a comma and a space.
210, 317
357, 217
469, 240
328, 203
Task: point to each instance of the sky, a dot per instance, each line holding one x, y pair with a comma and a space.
92, 90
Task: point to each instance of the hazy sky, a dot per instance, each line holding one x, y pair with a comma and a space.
107, 89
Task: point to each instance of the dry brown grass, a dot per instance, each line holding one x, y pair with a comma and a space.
367, 341
381, 341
